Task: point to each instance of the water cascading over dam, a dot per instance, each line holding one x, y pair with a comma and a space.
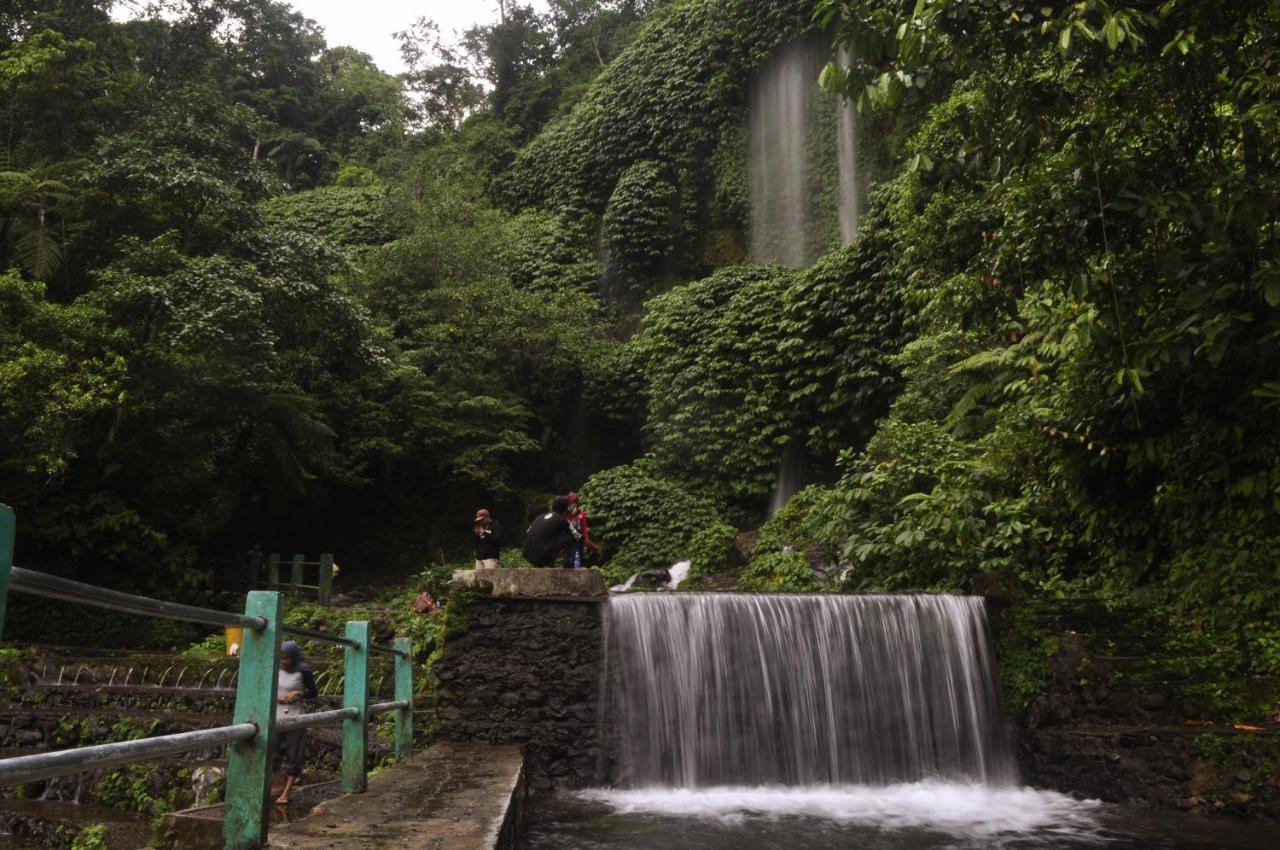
753, 689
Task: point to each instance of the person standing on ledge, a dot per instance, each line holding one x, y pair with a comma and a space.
549, 535
488, 538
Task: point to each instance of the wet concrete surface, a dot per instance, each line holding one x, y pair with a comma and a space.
536, 582
201, 828
454, 796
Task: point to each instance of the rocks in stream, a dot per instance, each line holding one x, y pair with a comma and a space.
652, 579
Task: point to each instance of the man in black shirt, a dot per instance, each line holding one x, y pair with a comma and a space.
549, 535
488, 536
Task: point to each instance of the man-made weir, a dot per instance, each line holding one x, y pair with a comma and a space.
754, 689
744, 722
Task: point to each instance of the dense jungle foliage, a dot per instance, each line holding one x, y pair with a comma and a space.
255, 291
275, 296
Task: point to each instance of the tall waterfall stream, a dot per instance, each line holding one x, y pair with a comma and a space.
800, 139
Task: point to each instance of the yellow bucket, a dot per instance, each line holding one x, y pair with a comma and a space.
235, 637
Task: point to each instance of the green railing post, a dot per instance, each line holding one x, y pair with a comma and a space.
325, 593
295, 576
8, 532
404, 691
273, 572
245, 821
356, 695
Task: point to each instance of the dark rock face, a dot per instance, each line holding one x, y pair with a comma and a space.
527, 672
744, 547
1094, 731
1205, 772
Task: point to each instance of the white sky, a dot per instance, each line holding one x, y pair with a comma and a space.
367, 25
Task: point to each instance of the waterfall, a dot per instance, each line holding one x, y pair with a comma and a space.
770, 689
847, 153
780, 116
791, 477
791, 159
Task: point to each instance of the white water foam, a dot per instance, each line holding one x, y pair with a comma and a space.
626, 585
676, 575
962, 810
679, 572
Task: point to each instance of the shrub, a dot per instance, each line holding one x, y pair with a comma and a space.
712, 547
780, 572
544, 252
642, 518
799, 524
348, 216
92, 837
638, 228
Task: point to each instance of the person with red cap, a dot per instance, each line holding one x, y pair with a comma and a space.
581, 528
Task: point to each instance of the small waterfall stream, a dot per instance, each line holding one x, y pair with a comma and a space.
791, 477
851, 188
801, 690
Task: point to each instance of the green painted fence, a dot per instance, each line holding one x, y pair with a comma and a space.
296, 584
251, 737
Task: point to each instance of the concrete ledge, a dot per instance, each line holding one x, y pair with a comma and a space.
534, 582
454, 796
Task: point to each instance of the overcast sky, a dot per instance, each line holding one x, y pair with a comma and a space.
368, 24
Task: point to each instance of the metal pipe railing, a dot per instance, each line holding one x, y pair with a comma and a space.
319, 718
311, 634
54, 587
255, 722
32, 768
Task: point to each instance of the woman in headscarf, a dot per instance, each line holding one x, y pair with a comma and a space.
294, 684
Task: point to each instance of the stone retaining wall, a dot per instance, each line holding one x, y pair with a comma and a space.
526, 671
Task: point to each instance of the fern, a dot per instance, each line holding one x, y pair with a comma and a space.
39, 253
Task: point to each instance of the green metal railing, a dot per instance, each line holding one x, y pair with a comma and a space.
251, 737
297, 565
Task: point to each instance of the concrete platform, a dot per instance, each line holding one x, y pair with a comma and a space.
454, 796
533, 582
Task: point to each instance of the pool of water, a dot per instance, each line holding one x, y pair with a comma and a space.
897, 817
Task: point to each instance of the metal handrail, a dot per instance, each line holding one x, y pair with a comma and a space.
32, 768
311, 634
319, 718
54, 587
255, 721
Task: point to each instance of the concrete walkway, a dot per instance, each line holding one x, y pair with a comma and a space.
454, 796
